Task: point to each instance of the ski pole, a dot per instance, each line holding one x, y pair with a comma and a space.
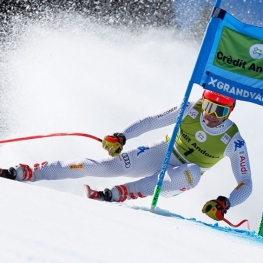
51, 135
239, 224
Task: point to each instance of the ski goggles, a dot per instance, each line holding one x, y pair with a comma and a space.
210, 107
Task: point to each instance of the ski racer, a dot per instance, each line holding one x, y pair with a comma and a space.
205, 136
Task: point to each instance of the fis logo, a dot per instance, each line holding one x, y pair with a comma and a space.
193, 113
142, 149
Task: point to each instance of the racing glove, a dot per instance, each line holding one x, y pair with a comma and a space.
114, 143
216, 209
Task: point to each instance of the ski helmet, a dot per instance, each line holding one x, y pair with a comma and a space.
219, 99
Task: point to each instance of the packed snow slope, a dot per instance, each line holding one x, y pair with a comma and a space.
43, 225
71, 75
